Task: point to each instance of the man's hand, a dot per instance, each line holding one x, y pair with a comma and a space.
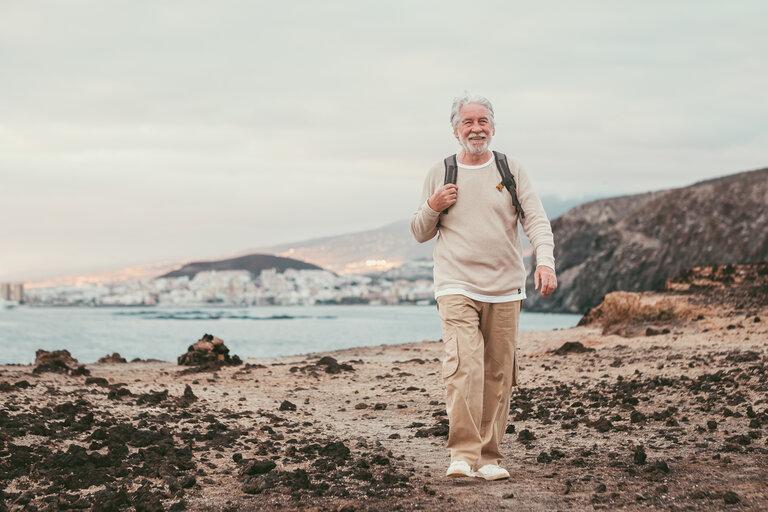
443, 197
544, 277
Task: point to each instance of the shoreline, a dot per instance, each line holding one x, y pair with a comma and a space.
91, 333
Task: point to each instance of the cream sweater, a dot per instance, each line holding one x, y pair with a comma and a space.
478, 251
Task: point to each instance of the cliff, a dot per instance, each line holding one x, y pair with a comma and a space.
638, 242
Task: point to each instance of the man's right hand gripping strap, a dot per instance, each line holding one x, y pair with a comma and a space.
451, 172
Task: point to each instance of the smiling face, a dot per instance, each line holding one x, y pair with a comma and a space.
475, 128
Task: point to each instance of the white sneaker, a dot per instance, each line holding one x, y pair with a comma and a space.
459, 468
492, 472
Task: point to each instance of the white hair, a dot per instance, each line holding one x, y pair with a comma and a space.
467, 99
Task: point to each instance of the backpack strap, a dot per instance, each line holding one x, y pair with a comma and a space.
451, 172
451, 169
508, 180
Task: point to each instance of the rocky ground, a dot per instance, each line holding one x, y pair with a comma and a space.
673, 421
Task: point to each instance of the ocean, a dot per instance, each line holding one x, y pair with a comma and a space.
263, 332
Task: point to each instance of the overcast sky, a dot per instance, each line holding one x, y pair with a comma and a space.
148, 131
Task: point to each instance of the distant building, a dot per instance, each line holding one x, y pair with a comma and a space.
12, 291
17, 292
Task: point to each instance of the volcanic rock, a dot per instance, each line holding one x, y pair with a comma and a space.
554, 454
571, 347
639, 455
56, 361
335, 450
208, 353
118, 391
657, 470
152, 397
99, 381
188, 397
525, 436
603, 424
81, 370
112, 358
333, 366
111, 499
188, 394
260, 467
439, 430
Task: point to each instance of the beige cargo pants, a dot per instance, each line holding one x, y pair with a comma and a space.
479, 369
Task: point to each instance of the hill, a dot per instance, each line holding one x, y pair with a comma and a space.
254, 263
637, 242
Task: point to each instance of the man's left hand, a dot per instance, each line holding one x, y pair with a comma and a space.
544, 278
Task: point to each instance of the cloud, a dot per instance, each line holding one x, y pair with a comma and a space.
138, 131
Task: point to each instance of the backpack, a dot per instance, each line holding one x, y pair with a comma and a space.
452, 170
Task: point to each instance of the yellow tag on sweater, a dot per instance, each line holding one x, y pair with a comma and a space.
500, 186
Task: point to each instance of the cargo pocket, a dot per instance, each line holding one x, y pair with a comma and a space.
451, 356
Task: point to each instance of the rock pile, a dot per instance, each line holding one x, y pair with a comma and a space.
208, 353
112, 358
58, 361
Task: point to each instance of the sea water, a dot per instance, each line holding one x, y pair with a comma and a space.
263, 332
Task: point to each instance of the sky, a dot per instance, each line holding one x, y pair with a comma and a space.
145, 131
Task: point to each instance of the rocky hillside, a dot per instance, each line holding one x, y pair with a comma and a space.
254, 263
637, 242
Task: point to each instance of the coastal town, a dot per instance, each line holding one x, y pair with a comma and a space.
408, 284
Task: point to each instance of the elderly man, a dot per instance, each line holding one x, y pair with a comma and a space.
472, 202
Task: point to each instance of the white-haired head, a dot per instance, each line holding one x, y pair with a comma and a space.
467, 99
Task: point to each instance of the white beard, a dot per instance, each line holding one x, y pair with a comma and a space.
472, 149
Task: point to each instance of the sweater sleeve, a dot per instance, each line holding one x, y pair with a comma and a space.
424, 219
535, 223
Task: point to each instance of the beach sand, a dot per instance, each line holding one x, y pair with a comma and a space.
674, 421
